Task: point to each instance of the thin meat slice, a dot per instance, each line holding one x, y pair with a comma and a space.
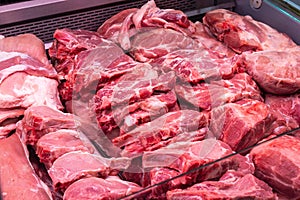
241, 124
97, 188
40, 120
287, 111
29, 90
230, 186
17, 177
277, 163
163, 128
157, 42
76, 165
25, 43
193, 66
209, 95
276, 72
55, 144
242, 33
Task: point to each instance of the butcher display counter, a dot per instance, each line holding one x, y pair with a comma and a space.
149, 99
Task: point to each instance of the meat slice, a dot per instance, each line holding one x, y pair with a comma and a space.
287, 111
6, 114
68, 43
17, 177
76, 165
97, 188
157, 42
12, 62
230, 186
6, 130
128, 117
193, 66
29, 91
242, 33
163, 128
138, 84
25, 43
55, 144
209, 95
241, 124
277, 163
276, 72
40, 120
183, 157
123, 25
206, 40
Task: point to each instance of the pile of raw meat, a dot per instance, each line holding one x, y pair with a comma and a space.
152, 106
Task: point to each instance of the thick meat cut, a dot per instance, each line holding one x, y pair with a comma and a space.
286, 109
40, 120
125, 24
53, 145
97, 188
242, 33
230, 186
76, 165
193, 66
216, 93
156, 42
17, 177
241, 124
277, 163
163, 128
276, 72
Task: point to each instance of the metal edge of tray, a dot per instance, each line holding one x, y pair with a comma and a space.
41, 8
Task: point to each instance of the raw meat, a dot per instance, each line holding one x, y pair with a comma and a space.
29, 91
130, 116
287, 111
181, 157
230, 186
209, 42
157, 42
209, 95
275, 72
94, 67
242, 33
97, 188
125, 24
277, 163
165, 127
193, 66
7, 129
18, 179
40, 120
25, 43
241, 124
12, 62
11, 113
68, 43
53, 145
76, 165
138, 84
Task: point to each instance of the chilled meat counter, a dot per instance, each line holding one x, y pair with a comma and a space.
179, 99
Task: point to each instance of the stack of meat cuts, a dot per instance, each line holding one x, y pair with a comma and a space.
152, 106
